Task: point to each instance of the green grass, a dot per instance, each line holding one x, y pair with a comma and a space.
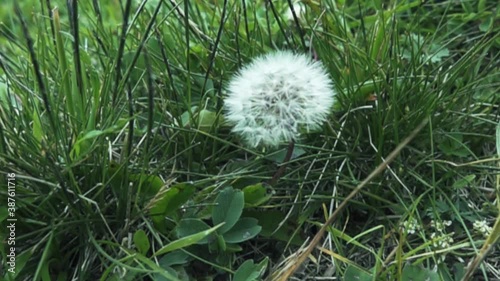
111, 121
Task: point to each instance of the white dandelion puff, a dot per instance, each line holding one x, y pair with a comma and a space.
276, 96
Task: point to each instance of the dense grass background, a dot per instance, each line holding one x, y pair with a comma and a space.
112, 110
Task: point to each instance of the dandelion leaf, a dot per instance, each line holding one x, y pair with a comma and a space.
245, 229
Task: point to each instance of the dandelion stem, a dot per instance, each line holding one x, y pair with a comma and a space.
281, 169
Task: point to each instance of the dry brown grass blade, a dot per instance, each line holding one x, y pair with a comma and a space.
294, 264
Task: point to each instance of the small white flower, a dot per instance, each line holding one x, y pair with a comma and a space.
410, 226
440, 225
276, 96
442, 241
482, 227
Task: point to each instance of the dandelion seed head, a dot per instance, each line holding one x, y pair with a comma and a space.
276, 96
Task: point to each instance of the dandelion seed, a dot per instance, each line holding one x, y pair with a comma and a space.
276, 97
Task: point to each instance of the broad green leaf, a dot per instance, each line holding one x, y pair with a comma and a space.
233, 248
149, 184
245, 229
221, 243
257, 194
417, 273
174, 258
190, 226
186, 241
158, 277
169, 202
487, 23
178, 271
206, 120
228, 208
248, 271
355, 273
141, 241
186, 117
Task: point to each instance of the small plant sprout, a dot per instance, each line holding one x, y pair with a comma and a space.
276, 97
